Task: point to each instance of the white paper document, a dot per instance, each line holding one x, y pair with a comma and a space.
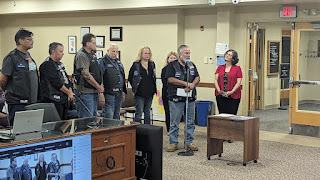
221, 48
182, 93
241, 117
224, 115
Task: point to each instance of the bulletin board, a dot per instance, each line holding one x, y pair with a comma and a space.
274, 55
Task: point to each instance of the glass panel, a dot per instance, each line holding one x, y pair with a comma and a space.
308, 69
284, 83
285, 55
309, 98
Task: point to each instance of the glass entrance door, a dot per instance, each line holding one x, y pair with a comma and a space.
305, 85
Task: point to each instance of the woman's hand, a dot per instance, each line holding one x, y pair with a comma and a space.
227, 94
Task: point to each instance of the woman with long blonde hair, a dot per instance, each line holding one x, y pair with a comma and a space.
142, 77
170, 57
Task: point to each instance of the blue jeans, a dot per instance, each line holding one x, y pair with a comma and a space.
176, 110
87, 107
111, 108
142, 105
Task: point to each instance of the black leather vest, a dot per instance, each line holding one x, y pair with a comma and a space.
111, 76
181, 75
18, 89
48, 91
136, 79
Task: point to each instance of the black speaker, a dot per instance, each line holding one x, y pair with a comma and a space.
149, 152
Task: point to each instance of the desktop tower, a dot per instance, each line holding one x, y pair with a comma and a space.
149, 145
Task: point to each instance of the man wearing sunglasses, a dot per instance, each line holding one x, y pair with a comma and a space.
19, 78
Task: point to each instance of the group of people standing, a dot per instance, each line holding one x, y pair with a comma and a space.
42, 169
102, 81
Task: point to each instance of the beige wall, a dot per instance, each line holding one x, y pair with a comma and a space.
156, 31
162, 29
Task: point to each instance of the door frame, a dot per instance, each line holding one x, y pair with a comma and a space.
299, 116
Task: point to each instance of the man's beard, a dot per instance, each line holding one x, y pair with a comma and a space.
184, 59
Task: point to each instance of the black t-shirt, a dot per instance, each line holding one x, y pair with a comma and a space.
147, 86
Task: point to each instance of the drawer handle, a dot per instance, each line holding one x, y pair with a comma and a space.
106, 140
110, 162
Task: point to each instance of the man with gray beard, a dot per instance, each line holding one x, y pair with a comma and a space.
181, 83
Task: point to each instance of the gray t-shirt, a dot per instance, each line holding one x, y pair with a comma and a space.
82, 61
33, 76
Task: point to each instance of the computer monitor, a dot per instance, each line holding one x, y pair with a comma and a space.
149, 143
72, 155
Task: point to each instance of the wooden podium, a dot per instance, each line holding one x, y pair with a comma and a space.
237, 128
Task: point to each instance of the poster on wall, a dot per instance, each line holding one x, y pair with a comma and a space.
72, 44
157, 103
221, 48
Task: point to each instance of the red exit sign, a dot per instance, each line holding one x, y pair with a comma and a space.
288, 12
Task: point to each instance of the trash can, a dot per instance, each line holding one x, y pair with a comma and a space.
203, 110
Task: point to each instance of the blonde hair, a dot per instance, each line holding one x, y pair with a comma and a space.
140, 53
170, 53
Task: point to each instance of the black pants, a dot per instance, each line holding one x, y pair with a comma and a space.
167, 111
227, 105
61, 108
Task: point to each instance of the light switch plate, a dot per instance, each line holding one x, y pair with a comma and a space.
205, 60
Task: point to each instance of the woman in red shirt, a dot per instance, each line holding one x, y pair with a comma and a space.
227, 83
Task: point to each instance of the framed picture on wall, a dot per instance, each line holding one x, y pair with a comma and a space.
100, 41
99, 54
119, 55
115, 33
72, 44
83, 31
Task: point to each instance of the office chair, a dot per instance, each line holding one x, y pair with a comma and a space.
50, 112
128, 104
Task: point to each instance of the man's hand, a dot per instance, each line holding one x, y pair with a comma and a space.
70, 95
191, 86
100, 89
101, 99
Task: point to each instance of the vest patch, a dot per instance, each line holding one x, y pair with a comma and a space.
21, 65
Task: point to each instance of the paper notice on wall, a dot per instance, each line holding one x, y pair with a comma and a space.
221, 48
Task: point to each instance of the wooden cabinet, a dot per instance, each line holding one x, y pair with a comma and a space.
237, 128
113, 153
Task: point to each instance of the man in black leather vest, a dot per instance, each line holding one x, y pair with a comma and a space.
19, 78
114, 83
88, 79
181, 86
55, 84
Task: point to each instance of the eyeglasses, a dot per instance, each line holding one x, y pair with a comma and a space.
230, 55
29, 39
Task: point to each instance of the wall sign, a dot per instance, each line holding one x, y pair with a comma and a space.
288, 12
284, 70
273, 57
